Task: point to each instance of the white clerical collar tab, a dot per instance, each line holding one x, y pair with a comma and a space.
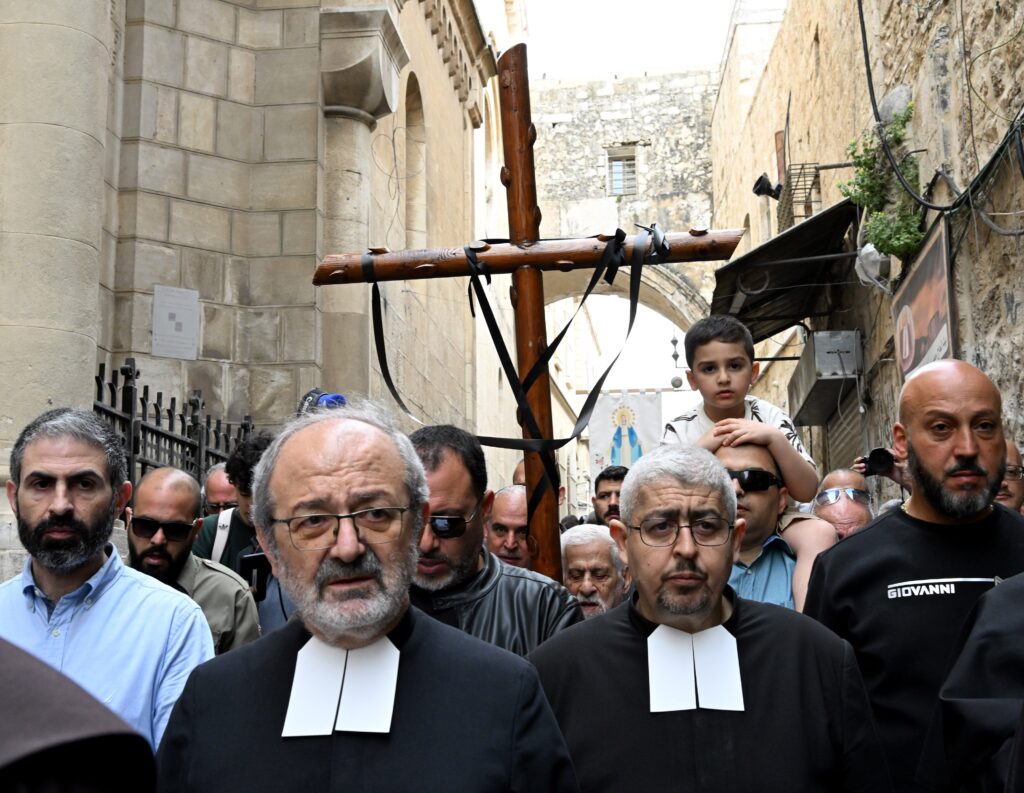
691, 670
344, 690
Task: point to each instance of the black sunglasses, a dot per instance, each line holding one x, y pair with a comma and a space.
174, 530
448, 527
753, 480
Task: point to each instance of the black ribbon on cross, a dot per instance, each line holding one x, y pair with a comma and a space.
612, 258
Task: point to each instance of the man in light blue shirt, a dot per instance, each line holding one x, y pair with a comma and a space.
124, 637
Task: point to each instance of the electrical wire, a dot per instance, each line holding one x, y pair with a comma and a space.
880, 129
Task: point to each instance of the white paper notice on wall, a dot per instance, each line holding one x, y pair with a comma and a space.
175, 322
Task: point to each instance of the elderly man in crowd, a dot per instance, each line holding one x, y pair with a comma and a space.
592, 568
899, 589
701, 689
361, 692
218, 492
124, 637
843, 500
507, 531
161, 530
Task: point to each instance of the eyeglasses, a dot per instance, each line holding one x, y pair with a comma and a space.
1014, 472
213, 507
448, 527
753, 480
316, 532
174, 530
830, 495
659, 532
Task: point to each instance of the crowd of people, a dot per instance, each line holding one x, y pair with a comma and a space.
345, 607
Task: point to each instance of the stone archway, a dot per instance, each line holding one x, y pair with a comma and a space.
663, 289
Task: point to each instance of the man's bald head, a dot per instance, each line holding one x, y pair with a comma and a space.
170, 480
844, 477
946, 377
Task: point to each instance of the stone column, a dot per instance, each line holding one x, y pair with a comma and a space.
53, 115
361, 56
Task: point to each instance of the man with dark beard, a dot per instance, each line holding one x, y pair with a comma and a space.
899, 589
161, 530
459, 581
125, 638
360, 692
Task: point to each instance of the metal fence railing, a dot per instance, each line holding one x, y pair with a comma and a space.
156, 436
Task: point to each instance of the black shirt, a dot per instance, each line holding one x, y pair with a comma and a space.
806, 725
898, 590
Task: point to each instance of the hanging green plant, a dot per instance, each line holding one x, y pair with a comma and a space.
894, 223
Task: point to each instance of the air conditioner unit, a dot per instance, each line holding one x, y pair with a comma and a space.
825, 374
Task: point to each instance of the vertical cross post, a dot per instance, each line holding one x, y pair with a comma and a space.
518, 176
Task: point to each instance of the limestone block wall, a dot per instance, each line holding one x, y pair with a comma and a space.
815, 68
666, 118
217, 187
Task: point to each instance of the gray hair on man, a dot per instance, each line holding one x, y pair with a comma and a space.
206, 477
82, 425
586, 533
688, 465
367, 412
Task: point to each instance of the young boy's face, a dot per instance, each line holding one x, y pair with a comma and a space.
722, 373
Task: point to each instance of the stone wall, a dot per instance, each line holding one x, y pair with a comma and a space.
815, 69
665, 117
225, 146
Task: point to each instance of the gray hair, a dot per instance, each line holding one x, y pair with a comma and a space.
82, 425
369, 413
586, 533
688, 465
210, 472
510, 489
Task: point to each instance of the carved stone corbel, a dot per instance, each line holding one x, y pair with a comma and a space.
361, 57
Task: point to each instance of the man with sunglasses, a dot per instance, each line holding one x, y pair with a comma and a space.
460, 582
763, 570
359, 691
844, 501
161, 530
700, 688
1011, 491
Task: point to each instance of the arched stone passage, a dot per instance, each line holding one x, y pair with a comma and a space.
663, 289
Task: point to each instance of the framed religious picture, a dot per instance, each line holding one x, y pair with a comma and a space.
922, 308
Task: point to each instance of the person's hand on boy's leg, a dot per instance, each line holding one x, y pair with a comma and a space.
807, 537
799, 476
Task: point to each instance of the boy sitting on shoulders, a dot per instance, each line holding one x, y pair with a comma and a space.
720, 356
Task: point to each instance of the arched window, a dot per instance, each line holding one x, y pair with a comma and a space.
415, 167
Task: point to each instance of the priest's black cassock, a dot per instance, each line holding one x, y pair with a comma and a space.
806, 723
467, 717
974, 736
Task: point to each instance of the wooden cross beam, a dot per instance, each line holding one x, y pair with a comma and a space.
525, 256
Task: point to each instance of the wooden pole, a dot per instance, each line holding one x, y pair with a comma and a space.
518, 137
502, 259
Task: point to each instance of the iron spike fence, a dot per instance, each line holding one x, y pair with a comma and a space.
156, 436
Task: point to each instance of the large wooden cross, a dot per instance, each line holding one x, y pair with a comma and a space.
525, 257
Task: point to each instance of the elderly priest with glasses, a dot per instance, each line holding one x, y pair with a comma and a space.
360, 692
702, 689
